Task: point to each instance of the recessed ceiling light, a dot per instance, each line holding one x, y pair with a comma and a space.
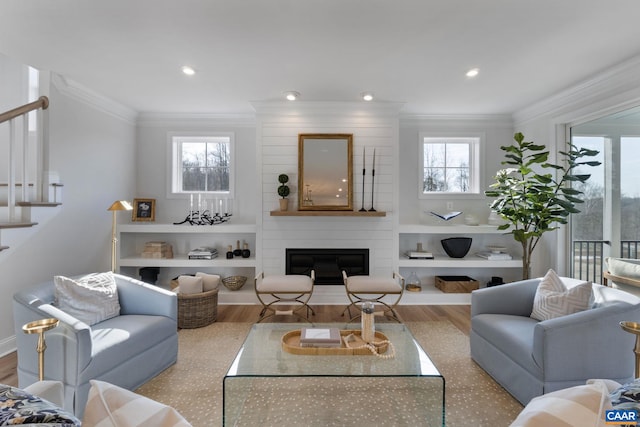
367, 96
292, 95
189, 71
473, 72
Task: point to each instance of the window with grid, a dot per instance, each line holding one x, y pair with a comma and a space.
202, 164
449, 165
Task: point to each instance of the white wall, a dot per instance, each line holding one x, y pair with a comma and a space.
152, 147
94, 154
497, 131
372, 126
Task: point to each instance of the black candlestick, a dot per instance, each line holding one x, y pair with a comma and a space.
373, 177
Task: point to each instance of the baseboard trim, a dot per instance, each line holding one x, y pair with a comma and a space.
8, 345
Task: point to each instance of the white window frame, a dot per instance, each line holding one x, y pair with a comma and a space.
174, 171
476, 141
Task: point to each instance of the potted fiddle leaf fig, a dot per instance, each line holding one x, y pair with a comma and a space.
283, 191
534, 196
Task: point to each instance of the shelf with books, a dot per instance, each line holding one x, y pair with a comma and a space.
134, 238
486, 239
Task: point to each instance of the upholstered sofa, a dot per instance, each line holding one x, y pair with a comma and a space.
126, 350
530, 357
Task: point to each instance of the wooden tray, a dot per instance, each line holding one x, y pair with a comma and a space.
291, 344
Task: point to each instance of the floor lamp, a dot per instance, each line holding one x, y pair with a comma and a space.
118, 205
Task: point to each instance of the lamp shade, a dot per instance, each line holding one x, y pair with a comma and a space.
120, 205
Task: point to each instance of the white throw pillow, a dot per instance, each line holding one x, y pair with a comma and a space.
554, 299
111, 406
190, 284
209, 281
578, 406
91, 298
624, 267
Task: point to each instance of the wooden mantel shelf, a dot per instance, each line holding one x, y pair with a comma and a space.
327, 213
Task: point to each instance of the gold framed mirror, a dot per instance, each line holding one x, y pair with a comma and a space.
325, 172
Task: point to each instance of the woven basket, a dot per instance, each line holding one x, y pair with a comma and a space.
197, 310
233, 283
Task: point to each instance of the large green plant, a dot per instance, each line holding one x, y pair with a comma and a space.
535, 196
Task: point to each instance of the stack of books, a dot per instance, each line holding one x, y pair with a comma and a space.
203, 252
320, 337
493, 256
419, 255
157, 250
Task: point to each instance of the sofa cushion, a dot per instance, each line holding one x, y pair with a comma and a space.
554, 299
18, 407
90, 299
112, 406
624, 267
125, 337
288, 283
512, 335
577, 406
376, 284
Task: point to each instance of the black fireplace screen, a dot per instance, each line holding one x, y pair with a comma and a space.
328, 263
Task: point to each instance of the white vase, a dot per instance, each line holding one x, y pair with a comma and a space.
494, 218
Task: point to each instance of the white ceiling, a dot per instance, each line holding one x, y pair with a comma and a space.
410, 51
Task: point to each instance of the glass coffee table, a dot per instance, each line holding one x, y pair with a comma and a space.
266, 385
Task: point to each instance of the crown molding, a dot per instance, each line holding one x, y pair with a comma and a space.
495, 120
196, 119
610, 86
75, 90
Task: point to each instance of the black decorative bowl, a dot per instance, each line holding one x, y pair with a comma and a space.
456, 247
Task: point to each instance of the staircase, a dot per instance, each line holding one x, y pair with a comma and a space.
24, 181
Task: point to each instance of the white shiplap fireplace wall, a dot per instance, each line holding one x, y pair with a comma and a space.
374, 126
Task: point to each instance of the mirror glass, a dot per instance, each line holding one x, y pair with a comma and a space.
325, 178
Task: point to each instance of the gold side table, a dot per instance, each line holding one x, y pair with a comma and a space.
634, 328
40, 327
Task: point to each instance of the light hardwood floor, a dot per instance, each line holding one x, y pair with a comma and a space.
459, 315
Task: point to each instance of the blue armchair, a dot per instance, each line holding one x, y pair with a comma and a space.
126, 350
530, 357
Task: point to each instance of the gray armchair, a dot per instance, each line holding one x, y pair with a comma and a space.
530, 357
127, 350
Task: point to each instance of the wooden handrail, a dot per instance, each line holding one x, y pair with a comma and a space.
42, 102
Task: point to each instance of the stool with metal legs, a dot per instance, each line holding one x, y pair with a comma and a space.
40, 327
373, 289
291, 289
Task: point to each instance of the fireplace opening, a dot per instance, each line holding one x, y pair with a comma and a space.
327, 263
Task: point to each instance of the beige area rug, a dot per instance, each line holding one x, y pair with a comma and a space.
194, 385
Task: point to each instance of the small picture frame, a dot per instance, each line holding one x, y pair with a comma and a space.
144, 209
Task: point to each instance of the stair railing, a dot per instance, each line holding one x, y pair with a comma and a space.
15, 117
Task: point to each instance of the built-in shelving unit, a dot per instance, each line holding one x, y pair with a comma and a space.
183, 238
429, 236
328, 213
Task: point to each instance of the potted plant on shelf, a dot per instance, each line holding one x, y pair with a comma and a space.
283, 191
534, 201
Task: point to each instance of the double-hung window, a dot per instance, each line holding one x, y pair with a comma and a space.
449, 165
202, 164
